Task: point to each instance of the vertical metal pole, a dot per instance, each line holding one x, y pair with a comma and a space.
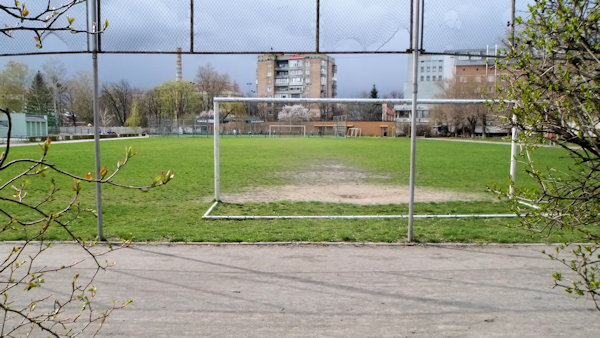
96, 117
216, 153
413, 121
513, 141
191, 26
318, 27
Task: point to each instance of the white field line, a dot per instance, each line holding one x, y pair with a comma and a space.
241, 218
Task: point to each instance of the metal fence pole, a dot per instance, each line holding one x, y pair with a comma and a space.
216, 153
96, 118
413, 121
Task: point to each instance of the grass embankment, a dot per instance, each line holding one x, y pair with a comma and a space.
173, 212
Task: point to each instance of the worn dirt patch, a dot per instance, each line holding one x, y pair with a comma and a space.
337, 182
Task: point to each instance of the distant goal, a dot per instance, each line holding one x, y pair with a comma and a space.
287, 129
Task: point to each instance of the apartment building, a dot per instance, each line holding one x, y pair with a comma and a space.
296, 76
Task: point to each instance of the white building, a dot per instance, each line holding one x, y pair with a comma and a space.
432, 71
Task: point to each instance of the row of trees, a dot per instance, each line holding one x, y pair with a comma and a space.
462, 120
49, 92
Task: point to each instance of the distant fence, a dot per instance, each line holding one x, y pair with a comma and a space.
103, 130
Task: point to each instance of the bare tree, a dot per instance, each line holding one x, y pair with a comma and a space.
211, 83
116, 99
79, 98
54, 72
463, 119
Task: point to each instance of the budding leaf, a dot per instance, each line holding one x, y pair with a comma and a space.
106, 24
103, 172
70, 19
89, 176
77, 186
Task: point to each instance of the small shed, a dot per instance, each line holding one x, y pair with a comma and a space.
24, 125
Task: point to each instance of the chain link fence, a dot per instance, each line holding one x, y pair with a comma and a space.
262, 26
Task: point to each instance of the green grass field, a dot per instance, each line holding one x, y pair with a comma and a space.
173, 212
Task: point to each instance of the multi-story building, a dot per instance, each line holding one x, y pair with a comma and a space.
477, 68
296, 76
432, 71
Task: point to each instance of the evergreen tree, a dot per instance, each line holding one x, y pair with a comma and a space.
40, 97
374, 93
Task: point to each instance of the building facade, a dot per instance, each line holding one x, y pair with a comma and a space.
432, 71
296, 76
24, 126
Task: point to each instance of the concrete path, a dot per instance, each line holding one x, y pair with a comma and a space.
340, 290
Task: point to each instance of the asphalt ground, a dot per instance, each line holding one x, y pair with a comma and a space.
333, 290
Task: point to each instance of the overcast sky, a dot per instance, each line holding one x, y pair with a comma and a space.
263, 25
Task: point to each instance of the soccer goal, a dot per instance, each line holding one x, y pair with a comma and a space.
340, 125
287, 129
314, 170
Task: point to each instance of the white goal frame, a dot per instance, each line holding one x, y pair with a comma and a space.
289, 126
410, 216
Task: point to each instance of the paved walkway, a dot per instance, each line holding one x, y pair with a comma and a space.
337, 290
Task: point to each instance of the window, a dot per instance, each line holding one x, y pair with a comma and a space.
434, 68
296, 72
428, 68
269, 89
323, 80
269, 74
421, 78
428, 78
422, 69
307, 80
440, 68
281, 81
297, 79
307, 72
